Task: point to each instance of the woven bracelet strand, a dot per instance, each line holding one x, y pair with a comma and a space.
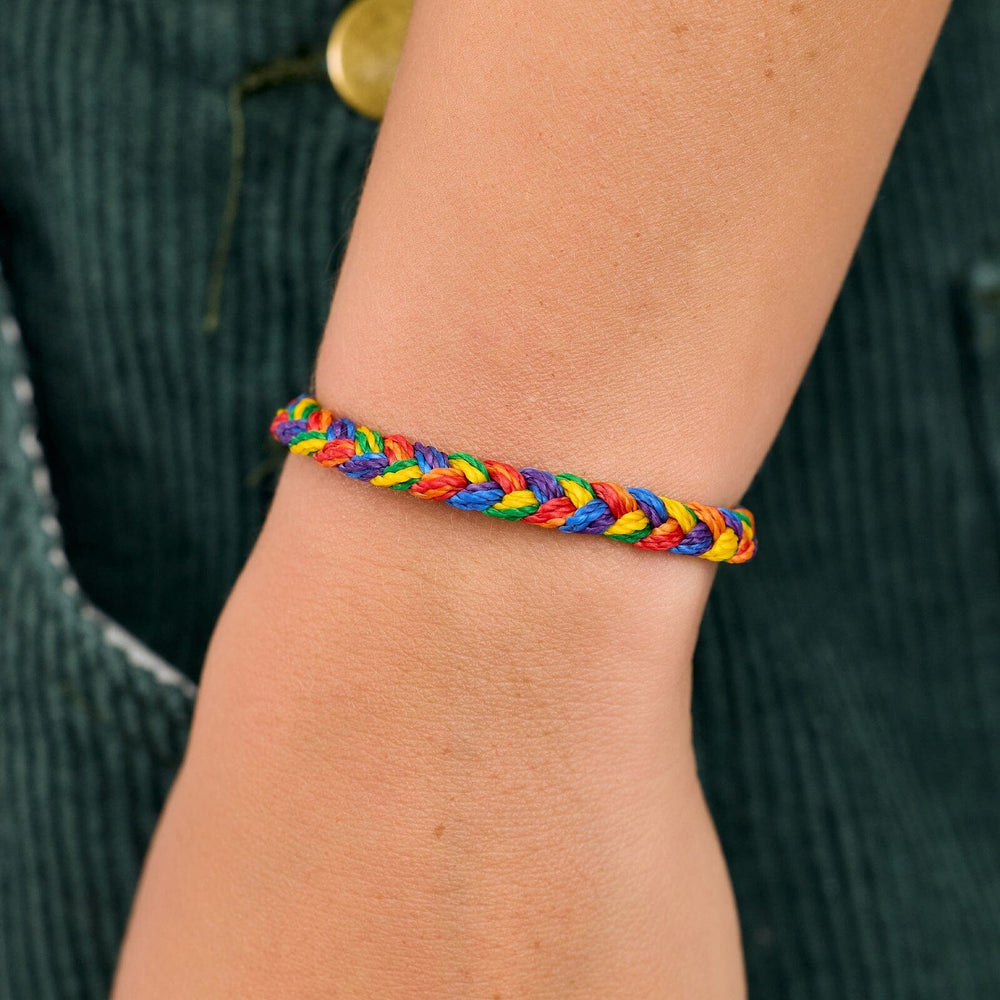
561, 500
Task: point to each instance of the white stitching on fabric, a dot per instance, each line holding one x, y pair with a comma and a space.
136, 652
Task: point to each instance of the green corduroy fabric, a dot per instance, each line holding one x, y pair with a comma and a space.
847, 682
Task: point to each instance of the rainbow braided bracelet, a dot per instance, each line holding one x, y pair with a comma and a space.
564, 501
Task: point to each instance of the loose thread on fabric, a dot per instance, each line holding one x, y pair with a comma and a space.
286, 69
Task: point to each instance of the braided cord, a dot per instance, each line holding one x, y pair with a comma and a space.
564, 501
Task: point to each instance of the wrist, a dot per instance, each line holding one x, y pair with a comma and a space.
407, 572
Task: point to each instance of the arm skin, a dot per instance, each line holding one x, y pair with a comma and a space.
439, 756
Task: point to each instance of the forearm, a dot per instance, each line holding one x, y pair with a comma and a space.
438, 755
609, 244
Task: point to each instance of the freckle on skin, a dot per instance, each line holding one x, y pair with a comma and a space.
811, 54
679, 29
796, 8
769, 72
439, 830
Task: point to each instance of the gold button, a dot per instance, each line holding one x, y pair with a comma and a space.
363, 50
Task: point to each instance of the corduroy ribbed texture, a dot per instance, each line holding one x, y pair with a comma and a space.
847, 681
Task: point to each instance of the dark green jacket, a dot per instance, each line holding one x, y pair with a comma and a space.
847, 682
